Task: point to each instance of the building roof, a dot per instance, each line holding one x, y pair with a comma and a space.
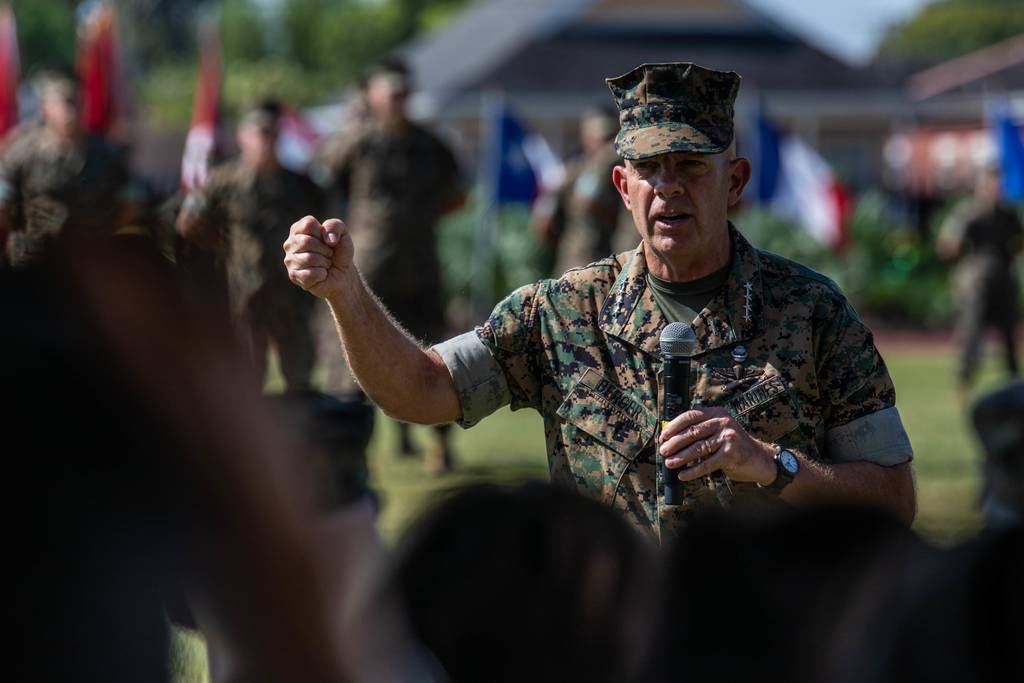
564, 49
998, 67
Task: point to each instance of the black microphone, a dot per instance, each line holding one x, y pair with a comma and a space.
678, 342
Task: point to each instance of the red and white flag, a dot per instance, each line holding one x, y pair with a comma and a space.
9, 71
104, 98
297, 140
202, 141
811, 193
793, 180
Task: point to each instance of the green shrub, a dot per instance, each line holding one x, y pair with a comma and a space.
889, 274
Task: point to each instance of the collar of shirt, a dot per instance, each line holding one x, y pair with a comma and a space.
631, 314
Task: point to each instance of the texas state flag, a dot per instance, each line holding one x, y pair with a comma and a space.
793, 180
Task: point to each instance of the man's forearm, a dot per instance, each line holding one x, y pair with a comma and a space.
406, 381
865, 483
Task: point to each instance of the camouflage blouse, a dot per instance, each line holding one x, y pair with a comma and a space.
583, 350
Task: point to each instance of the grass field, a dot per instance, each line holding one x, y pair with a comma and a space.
509, 447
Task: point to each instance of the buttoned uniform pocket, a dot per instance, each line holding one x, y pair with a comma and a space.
604, 428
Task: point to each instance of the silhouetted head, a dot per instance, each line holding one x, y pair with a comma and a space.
533, 583
752, 594
998, 419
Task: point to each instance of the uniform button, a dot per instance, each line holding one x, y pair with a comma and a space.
739, 354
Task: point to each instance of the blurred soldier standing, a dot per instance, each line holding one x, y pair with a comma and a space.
239, 214
57, 181
399, 180
983, 236
580, 219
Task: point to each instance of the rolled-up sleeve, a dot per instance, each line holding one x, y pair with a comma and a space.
479, 380
878, 437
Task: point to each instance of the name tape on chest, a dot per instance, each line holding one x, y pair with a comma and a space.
612, 396
757, 395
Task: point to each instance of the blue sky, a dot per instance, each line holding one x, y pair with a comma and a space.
850, 29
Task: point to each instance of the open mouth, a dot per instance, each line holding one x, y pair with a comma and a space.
673, 219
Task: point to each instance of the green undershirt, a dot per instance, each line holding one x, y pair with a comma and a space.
683, 301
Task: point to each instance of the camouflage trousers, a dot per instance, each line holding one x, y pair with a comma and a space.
995, 309
273, 317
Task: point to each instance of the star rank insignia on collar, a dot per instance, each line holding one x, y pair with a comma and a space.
748, 304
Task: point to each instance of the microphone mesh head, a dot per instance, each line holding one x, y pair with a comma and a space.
678, 340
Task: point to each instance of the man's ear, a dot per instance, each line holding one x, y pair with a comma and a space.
620, 181
739, 176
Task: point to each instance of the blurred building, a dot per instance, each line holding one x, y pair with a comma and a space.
946, 135
548, 60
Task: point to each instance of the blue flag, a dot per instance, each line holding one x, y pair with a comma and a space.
1011, 157
513, 178
768, 167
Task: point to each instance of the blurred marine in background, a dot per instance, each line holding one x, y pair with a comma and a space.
238, 214
398, 179
59, 182
983, 236
580, 219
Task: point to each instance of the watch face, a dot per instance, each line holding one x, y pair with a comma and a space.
789, 462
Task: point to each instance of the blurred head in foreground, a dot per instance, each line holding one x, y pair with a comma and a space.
144, 458
998, 419
755, 593
530, 583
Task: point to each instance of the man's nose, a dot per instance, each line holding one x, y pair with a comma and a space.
668, 184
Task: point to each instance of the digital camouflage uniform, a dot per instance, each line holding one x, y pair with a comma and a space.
398, 185
252, 211
58, 191
984, 285
583, 350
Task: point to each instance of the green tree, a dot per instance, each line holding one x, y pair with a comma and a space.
242, 31
339, 37
342, 37
156, 30
951, 28
46, 33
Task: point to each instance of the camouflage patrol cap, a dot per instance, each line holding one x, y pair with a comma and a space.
674, 107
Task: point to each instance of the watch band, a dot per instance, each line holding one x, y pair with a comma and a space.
782, 475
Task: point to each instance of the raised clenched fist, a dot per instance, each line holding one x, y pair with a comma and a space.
319, 256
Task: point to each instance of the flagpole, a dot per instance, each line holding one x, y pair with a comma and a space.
484, 245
